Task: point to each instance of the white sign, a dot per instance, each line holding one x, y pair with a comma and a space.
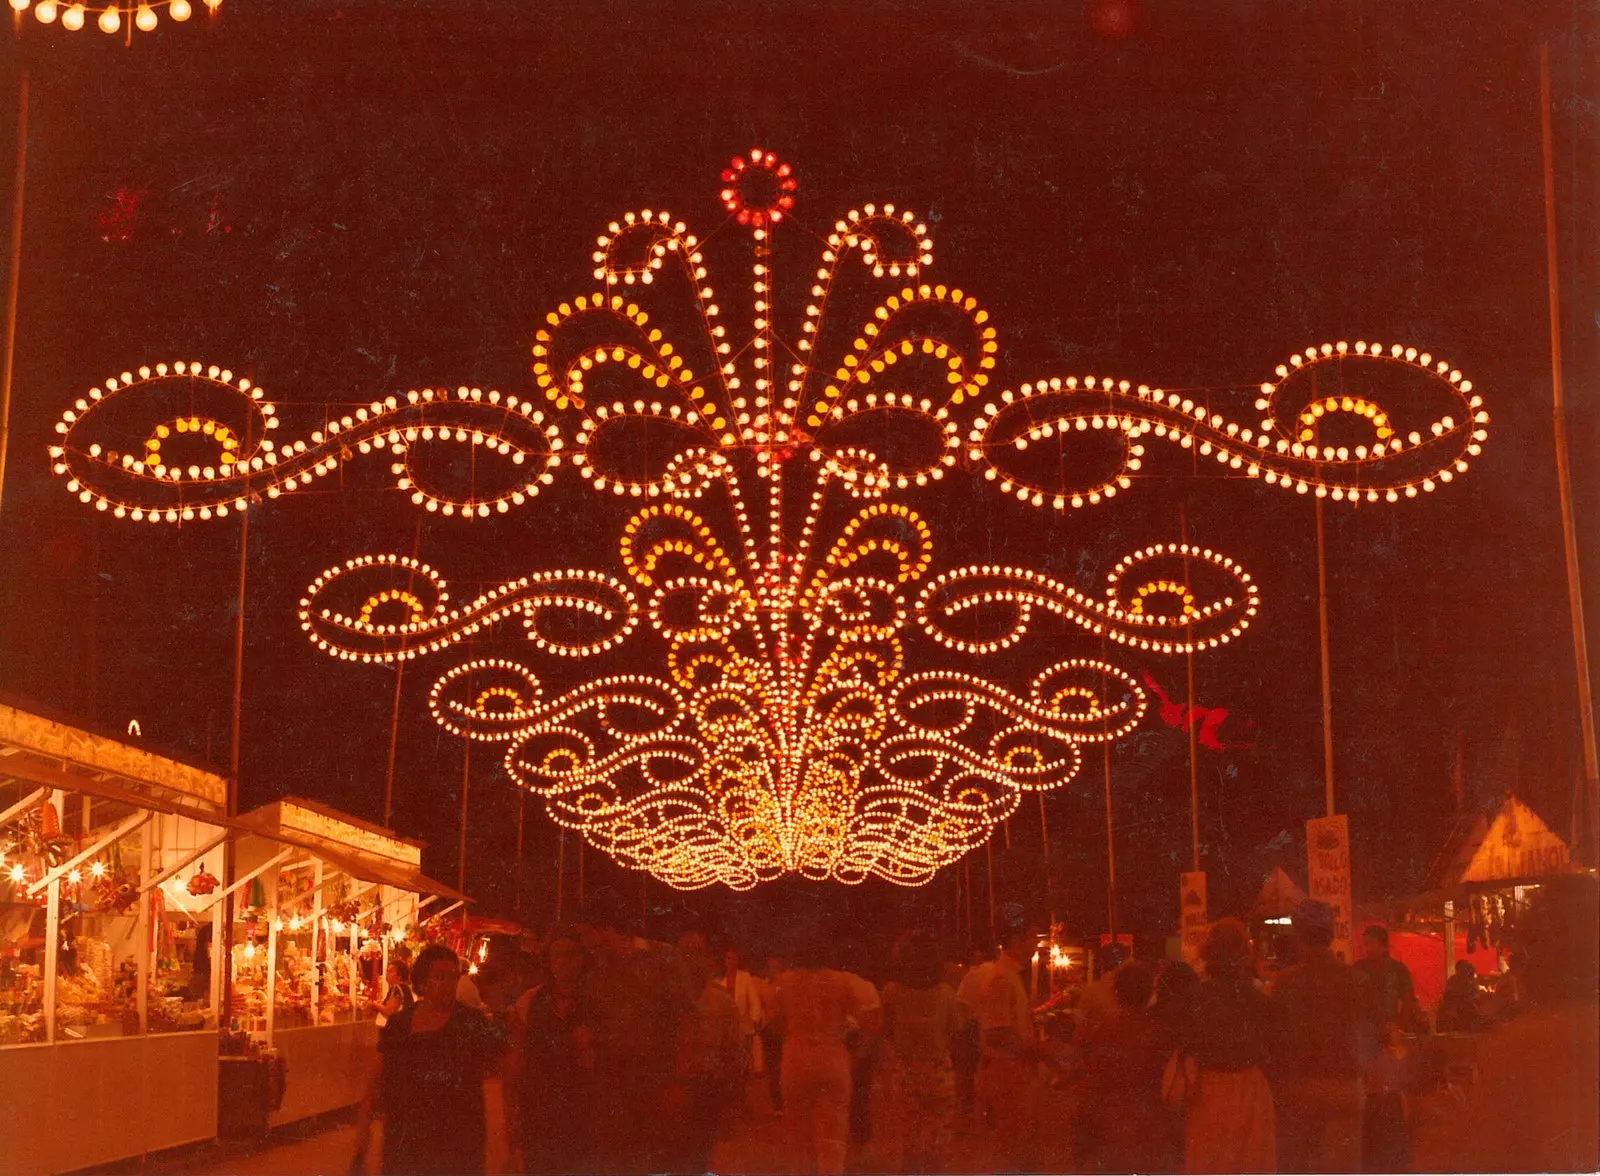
1328, 870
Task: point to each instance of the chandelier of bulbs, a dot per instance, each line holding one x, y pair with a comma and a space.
768, 715
143, 14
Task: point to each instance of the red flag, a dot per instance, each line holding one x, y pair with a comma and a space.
1208, 719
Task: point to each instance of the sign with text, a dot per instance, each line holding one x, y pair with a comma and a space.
1192, 921
1328, 870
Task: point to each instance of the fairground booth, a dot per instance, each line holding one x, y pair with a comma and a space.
322, 901
1479, 888
108, 1001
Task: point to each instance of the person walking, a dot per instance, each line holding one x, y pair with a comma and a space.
814, 1004
640, 996
1393, 1008
436, 1081
919, 1024
964, 1050
1321, 1034
1123, 1125
719, 1055
772, 1030
551, 1071
1007, 1086
1229, 1119
746, 994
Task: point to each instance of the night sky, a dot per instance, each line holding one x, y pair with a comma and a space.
344, 202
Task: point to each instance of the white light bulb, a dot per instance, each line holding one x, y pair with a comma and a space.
72, 18
179, 10
110, 20
145, 18
20, 5
45, 11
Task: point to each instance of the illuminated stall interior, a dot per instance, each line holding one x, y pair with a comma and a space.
112, 859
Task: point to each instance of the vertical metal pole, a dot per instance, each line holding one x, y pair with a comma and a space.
988, 849
561, 870
52, 936
399, 680
142, 930
1049, 888
272, 964
1191, 725
1580, 641
12, 283
1111, 853
580, 869
466, 785
1322, 637
522, 797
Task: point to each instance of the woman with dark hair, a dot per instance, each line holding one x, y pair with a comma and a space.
436, 1080
1230, 1124
550, 1075
919, 1023
1122, 1124
397, 996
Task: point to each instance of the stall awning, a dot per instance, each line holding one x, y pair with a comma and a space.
39, 751
360, 866
1279, 897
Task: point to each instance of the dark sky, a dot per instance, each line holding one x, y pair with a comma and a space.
344, 202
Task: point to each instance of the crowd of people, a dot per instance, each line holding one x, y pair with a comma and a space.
624, 1054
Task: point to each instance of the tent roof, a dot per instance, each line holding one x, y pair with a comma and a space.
1279, 896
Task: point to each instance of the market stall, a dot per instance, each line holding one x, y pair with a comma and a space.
108, 1000
321, 900
1479, 888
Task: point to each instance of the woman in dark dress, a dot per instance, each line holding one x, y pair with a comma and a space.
1230, 1121
552, 1066
437, 1080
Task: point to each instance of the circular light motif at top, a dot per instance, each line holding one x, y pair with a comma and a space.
761, 168
783, 670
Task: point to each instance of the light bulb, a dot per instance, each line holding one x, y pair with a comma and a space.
249, 951
72, 18
74, 877
21, 5
179, 10
45, 11
98, 869
110, 20
213, 4
18, 873
145, 19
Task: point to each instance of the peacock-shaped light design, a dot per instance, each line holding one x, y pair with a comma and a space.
770, 551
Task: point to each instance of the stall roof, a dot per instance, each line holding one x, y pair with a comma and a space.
330, 837
42, 751
1514, 847
1279, 896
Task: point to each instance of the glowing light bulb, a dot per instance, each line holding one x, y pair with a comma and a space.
72, 18
74, 876
110, 20
98, 869
18, 873
20, 5
179, 10
45, 11
145, 18
277, 924
249, 951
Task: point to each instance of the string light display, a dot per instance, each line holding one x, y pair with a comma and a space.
776, 594
109, 19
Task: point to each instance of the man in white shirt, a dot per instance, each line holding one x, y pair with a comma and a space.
1008, 1083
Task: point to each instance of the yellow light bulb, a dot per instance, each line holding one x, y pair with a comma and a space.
110, 20
145, 18
179, 10
72, 18
45, 11
20, 5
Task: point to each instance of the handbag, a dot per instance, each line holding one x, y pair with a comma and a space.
1180, 1079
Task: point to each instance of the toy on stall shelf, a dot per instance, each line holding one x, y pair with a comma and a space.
202, 882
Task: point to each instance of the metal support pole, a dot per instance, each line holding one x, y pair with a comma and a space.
12, 283
561, 870
466, 785
399, 681
1049, 888
522, 797
1322, 637
988, 849
1111, 852
1580, 641
1189, 716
